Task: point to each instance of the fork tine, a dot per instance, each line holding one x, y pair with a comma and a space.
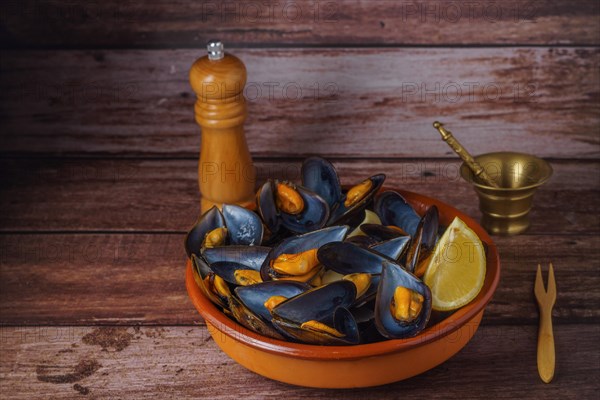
545, 300
539, 289
551, 284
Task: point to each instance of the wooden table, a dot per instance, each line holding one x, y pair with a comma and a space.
98, 178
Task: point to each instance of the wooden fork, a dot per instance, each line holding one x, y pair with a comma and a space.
545, 300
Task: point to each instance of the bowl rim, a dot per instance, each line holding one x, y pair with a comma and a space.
213, 316
466, 174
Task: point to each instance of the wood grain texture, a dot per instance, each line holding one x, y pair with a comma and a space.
162, 195
103, 279
68, 23
111, 279
335, 102
98, 153
184, 362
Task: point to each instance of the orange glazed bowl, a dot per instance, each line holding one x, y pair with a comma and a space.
360, 365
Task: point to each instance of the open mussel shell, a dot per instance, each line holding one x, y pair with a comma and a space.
201, 266
320, 176
393, 248
394, 210
210, 220
344, 322
267, 208
328, 305
354, 214
392, 277
255, 296
414, 249
200, 271
424, 239
252, 256
317, 304
300, 244
347, 258
244, 226
352, 218
362, 241
314, 215
204, 276
431, 225
370, 293
250, 320
365, 318
382, 232
236, 273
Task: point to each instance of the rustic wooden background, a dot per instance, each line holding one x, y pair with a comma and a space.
98, 154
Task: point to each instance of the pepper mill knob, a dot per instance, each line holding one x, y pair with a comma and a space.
225, 170
215, 50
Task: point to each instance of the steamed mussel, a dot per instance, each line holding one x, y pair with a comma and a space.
320, 176
309, 265
283, 205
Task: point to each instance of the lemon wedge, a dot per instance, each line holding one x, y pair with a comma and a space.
456, 270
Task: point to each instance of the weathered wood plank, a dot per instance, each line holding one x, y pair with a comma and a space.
162, 195
184, 362
103, 279
340, 102
36, 23
138, 279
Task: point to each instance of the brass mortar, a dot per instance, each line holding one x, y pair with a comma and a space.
506, 208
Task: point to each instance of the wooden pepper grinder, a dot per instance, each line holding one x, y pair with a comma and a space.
225, 170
